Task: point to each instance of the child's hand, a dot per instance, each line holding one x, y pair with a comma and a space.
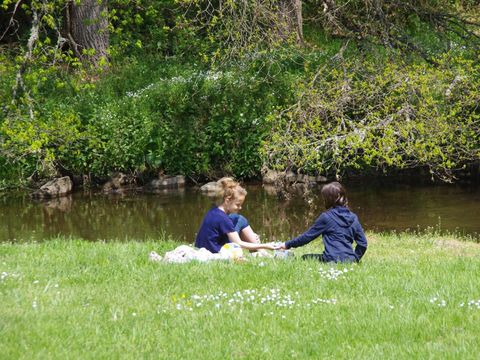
280, 246
269, 246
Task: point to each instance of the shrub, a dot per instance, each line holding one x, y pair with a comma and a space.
197, 123
357, 114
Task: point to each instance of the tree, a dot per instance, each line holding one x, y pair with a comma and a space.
86, 27
80, 25
355, 114
290, 11
63, 31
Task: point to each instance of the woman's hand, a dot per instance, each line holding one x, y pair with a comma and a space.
280, 246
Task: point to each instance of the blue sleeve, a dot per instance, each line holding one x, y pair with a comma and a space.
360, 239
225, 225
315, 231
239, 222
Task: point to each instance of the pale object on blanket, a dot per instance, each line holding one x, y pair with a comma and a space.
232, 250
185, 253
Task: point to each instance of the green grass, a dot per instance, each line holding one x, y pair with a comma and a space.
71, 299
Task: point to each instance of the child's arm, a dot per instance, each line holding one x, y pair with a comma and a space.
315, 231
360, 239
233, 237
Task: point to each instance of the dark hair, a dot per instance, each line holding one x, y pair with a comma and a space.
334, 194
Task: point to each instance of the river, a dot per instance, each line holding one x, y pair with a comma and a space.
178, 213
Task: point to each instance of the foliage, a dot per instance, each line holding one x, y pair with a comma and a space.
38, 147
424, 28
142, 26
235, 30
213, 79
197, 123
354, 114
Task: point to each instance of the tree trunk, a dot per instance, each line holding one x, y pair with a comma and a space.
299, 20
87, 28
292, 20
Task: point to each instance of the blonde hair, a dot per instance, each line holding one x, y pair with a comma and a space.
227, 188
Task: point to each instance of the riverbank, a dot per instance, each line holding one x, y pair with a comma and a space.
412, 297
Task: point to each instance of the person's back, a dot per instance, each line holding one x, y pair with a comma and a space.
343, 228
212, 234
338, 226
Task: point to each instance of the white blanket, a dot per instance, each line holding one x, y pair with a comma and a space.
185, 253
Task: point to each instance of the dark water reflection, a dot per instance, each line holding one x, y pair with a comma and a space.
94, 216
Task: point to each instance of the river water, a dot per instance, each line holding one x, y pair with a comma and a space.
178, 213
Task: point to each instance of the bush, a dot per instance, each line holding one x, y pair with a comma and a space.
359, 113
197, 123
179, 118
40, 146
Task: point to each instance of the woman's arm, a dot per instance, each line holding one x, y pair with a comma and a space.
235, 238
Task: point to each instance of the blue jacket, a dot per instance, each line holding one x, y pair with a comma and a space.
340, 228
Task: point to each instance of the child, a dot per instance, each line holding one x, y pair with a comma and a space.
222, 224
339, 228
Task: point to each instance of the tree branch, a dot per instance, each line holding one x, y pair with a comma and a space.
12, 20
26, 59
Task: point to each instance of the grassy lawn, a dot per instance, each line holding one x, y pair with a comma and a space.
412, 297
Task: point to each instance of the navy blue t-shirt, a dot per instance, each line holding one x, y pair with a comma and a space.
213, 231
